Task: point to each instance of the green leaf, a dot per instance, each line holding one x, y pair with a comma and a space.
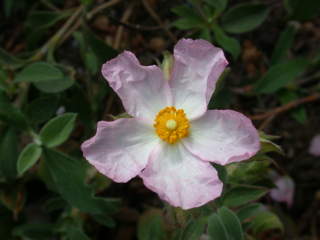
302, 10
194, 229
45, 19
298, 113
265, 221
102, 51
28, 157
46, 77
76, 233
219, 5
57, 130
3, 80
244, 17
188, 23
232, 223
249, 211
229, 44
37, 72
216, 228
105, 220
240, 195
35, 231
280, 75
283, 45
9, 153
9, 61
11, 114
68, 176
151, 226
42, 109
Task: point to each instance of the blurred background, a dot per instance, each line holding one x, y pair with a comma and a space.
52, 94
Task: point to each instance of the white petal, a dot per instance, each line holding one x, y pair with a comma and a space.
120, 149
222, 136
180, 178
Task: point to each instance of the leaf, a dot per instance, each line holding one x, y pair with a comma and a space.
42, 109
34, 231
244, 17
9, 61
265, 221
105, 220
219, 5
194, 229
280, 75
151, 226
46, 77
232, 223
57, 130
28, 157
302, 10
283, 45
76, 233
11, 114
189, 18
216, 228
240, 195
229, 44
299, 113
249, 211
68, 176
102, 51
9, 153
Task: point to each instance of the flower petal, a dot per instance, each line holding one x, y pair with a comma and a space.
197, 67
284, 190
223, 136
120, 149
179, 178
314, 148
142, 89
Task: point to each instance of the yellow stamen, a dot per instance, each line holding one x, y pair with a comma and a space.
171, 124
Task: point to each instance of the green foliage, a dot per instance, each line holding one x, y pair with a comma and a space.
244, 17
151, 226
57, 130
28, 157
284, 43
225, 225
241, 195
302, 10
281, 75
68, 175
46, 77
9, 153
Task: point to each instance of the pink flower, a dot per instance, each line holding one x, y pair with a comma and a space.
284, 190
314, 148
172, 138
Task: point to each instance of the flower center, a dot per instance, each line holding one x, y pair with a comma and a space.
171, 124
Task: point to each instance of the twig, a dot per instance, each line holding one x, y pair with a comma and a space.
50, 5
89, 15
286, 107
137, 27
101, 7
154, 15
55, 38
125, 17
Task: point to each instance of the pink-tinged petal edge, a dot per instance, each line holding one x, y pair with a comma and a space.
284, 190
180, 178
314, 148
142, 89
223, 137
196, 69
120, 149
